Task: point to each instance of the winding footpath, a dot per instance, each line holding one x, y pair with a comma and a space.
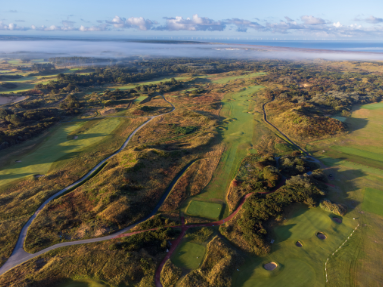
19, 255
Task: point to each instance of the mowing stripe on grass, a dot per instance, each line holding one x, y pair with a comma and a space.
205, 209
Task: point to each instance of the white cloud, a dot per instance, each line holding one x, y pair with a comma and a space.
311, 20
195, 23
337, 24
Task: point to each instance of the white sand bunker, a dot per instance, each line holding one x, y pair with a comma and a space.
17, 160
321, 236
270, 266
298, 244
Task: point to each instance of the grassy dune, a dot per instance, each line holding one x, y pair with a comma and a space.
56, 146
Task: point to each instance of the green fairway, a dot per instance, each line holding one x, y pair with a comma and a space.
204, 209
359, 152
302, 224
373, 106
237, 134
373, 201
140, 99
132, 86
56, 146
188, 255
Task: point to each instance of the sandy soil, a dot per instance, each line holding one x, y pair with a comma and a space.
270, 266
298, 244
321, 236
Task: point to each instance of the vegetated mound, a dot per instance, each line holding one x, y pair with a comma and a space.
247, 229
304, 120
298, 244
321, 236
270, 266
256, 173
170, 274
337, 209
220, 262
130, 261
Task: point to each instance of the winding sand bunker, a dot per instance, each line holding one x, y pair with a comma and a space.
321, 236
337, 220
298, 243
270, 266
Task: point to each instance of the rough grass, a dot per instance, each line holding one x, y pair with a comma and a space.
227, 79
204, 209
56, 146
170, 274
95, 262
220, 263
153, 82
188, 255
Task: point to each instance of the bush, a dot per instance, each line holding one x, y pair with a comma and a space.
337, 209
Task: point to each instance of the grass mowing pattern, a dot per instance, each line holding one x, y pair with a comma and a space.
373, 201
56, 146
188, 255
237, 134
204, 209
309, 269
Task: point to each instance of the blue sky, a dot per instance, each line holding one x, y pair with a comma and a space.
293, 19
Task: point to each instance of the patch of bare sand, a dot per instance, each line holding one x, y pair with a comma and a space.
270, 266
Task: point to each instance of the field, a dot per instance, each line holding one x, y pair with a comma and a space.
56, 146
189, 255
373, 201
204, 209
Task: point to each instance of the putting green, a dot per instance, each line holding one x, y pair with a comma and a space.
188, 255
204, 209
56, 146
373, 201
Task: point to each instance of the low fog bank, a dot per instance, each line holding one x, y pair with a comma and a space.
110, 49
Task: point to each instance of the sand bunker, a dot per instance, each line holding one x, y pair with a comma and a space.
337, 220
17, 160
270, 266
321, 236
298, 244
75, 137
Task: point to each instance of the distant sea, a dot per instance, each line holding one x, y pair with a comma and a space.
357, 46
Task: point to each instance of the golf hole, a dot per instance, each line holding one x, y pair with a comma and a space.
321, 236
298, 244
270, 266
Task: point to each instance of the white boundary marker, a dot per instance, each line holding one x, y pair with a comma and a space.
325, 265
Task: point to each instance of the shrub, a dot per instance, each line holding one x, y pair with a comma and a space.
337, 209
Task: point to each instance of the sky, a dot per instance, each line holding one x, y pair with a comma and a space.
252, 19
